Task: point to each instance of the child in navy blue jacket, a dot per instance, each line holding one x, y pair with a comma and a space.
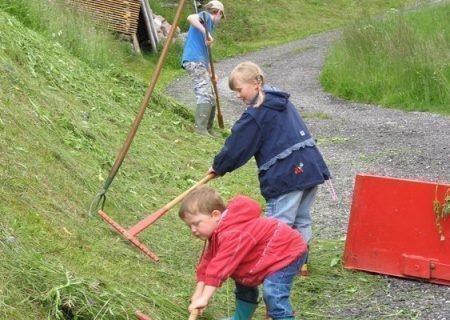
290, 166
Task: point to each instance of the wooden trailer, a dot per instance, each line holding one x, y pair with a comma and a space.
132, 19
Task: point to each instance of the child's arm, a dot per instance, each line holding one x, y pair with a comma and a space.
198, 290
202, 301
194, 20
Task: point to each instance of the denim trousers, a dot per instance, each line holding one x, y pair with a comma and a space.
294, 208
276, 291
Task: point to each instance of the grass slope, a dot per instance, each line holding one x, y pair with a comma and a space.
61, 123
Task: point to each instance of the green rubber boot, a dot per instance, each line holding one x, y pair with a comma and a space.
210, 126
202, 116
244, 310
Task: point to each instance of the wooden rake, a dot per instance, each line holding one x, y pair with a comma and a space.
131, 234
141, 316
213, 75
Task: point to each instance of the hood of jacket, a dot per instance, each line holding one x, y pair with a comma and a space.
275, 99
240, 210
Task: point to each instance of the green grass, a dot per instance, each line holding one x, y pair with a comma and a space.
400, 60
73, 30
63, 118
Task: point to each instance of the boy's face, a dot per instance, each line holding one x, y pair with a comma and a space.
203, 225
247, 92
217, 17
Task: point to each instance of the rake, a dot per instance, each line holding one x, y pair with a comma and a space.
131, 234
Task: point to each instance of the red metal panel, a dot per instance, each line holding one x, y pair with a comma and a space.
392, 229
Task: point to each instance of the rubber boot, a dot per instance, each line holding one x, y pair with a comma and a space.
202, 115
244, 310
210, 126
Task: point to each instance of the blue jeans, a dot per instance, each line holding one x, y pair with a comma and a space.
276, 290
294, 208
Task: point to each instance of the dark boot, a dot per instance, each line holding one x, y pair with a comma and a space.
244, 310
210, 126
202, 115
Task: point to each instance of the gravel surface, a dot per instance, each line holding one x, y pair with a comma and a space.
364, 139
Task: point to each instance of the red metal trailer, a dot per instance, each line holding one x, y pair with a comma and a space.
400, 227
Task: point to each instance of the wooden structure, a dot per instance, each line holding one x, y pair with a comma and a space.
123, 17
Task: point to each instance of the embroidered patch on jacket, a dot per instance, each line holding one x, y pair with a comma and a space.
299, 168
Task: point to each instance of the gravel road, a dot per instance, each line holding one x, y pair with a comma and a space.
362, 139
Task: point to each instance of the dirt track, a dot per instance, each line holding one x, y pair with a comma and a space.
356, 138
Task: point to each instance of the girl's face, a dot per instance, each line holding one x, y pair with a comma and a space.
203, 225
247, 92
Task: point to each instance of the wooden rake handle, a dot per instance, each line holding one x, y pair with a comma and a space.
141, 316
150, 219
178, 199
213, 76
194, 314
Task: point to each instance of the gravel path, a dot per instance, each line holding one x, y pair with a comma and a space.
362, 139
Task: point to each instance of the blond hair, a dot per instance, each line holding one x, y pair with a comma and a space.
248, 72
202, 200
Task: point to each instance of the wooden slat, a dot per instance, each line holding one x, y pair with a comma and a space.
118, 15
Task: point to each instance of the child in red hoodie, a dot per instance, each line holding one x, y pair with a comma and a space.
242, 245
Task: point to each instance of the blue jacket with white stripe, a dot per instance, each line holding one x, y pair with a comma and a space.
285, 152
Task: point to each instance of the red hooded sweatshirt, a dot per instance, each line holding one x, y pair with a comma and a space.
247, 247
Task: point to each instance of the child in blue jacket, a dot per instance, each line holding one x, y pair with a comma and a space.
290, 166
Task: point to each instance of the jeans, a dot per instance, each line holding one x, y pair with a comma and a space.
294, 208
276, 290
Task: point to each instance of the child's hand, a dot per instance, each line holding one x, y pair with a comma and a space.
199, 303
214, 79
211, 170
195, 296
209, 40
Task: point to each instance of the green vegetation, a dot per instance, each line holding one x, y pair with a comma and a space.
400, 60
66, 106
255, 24
73, 30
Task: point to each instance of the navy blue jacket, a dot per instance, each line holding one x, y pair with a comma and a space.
275, 134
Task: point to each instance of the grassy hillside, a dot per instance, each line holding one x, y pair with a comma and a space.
62, 122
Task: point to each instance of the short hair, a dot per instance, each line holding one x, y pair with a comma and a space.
215, 6
202, 200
